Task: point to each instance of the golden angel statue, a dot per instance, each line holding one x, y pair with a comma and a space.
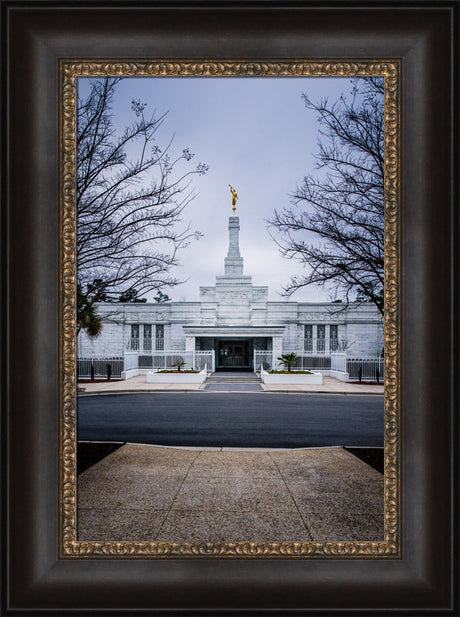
234, 197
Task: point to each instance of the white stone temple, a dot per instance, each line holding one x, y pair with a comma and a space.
235, 319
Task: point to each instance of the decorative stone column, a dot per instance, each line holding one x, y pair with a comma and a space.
189, 343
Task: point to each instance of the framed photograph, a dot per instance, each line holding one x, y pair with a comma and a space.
225, 343
95, 205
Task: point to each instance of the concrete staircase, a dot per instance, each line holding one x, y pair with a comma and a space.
233, 377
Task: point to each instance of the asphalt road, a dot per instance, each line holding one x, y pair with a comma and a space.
233, 420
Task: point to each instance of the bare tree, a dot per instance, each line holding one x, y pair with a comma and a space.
130, 197
343, 204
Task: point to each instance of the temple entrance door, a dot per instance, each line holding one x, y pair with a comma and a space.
233, 355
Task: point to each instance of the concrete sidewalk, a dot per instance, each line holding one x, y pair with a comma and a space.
151, 493
138, 384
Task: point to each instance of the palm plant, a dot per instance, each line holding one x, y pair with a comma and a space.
288, 359
179, 365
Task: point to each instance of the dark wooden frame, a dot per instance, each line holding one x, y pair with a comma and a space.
35, 36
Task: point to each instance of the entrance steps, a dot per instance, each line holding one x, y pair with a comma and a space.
233, 377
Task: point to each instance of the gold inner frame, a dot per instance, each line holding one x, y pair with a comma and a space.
69, 546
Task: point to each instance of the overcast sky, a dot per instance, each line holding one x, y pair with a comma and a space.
255, 134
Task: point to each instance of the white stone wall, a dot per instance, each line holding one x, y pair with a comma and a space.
116, 331
182, 314
360, 327
366, 340
108, 344
291, 339
176, 339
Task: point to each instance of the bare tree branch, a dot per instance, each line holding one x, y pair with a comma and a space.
131, 195
343, 204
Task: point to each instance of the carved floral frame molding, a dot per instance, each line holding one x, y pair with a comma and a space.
69, 546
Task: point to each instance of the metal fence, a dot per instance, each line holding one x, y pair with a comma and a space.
196, 360
313, 362
366, 369
99, 367
304, 362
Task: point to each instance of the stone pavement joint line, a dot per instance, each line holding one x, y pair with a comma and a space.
148, 493
293, 499
175, 497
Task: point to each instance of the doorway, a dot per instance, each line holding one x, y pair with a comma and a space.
233, 356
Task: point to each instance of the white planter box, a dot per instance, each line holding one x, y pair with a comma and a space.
176, 377
129, 374
291, 378
340, 375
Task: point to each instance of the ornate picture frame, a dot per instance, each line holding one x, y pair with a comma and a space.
44, 564
390, 72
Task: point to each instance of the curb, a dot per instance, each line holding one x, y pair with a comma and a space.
341, 393
137, 392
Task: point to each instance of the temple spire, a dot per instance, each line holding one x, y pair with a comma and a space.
233, 261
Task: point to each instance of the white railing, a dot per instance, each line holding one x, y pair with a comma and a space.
337, 364
205, 359
309, 361
155, 360
366, 369
97, 367
304, 362
264, 358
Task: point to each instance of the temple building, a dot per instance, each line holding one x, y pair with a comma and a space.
236, 320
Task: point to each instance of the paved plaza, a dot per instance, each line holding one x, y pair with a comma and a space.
138, 384
151, 493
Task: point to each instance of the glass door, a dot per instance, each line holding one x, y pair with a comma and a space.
233, 354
